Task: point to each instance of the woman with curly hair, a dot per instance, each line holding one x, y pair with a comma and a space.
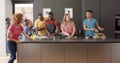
13, 33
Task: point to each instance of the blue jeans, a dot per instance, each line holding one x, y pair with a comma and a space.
12, 48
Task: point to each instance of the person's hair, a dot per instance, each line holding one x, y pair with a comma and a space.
64, 19
17, 17
27, 22
39, 14
90, 11
50, 13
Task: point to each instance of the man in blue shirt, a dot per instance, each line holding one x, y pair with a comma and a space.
90, 25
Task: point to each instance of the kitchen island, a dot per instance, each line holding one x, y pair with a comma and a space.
69, 51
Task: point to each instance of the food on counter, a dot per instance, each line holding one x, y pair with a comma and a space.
71, 37
42, 38
86, 37
99, 35
104, 36
34, 37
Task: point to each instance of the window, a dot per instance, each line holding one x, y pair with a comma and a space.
25, 9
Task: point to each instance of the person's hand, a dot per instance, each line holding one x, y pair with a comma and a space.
42, 28
96, 30
49, 35
31, 39
92, 29
101, 29
18, 42
68, 35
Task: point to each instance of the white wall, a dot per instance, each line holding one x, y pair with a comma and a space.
5, 11
8, 8
2, 28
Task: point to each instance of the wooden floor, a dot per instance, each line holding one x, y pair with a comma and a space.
5, 59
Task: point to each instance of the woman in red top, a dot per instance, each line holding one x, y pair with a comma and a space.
51, 25
13, 33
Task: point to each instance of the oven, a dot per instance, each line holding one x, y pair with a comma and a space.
117, 26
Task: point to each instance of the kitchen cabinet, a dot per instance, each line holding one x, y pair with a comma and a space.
22, 0
29, 53
115, 53
98, 53
69, 51
76, 53
52, 53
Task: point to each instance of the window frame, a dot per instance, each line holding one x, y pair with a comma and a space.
20, 2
